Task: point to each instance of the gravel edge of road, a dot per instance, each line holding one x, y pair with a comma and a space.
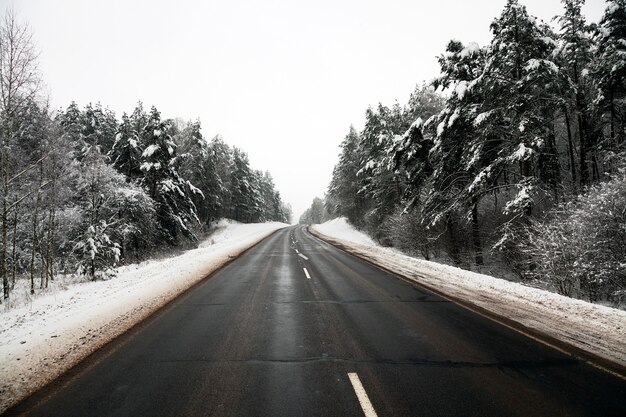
588, 356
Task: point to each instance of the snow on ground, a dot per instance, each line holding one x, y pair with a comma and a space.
339, 228
593, 328
41, 340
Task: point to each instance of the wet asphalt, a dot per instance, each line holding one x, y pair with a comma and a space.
260, 338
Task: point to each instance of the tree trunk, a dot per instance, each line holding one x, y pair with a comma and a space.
594, 166
613, 136
478, 250
13, 260
49, 248
51, 226
582, 134
453, 240
5, 197
34, 243
570, 149
528, 210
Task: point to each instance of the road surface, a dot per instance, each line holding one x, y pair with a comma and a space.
296, 327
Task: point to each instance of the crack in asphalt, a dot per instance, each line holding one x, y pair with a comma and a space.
329, 302
549, 363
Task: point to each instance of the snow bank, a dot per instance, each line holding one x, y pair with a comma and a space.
340, 228
590, 328
40, 341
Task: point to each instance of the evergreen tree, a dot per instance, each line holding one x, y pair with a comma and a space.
575, 54
459, 151
99, 127
126, 151
517, 102
343, 198
381, 187
176, 211
245, 194
609, 69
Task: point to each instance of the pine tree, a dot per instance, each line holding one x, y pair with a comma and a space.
610, 69
343, 198
99, 127
244, 188
575, 53
126, 151
380, 186
217, 177
176, 211
516, 105
459, 152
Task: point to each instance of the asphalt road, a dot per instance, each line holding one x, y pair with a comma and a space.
261, 338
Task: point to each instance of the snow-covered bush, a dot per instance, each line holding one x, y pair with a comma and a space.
581, 247
97, 254
406, 231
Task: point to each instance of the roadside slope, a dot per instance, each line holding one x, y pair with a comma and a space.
40, 341
596, 330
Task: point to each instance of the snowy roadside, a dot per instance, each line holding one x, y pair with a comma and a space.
40, 341
595, 329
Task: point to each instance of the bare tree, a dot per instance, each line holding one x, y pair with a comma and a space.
19, 84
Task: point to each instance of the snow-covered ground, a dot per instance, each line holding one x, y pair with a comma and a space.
339, 228
592, 328
45, 337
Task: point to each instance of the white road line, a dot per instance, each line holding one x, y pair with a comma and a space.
297, 251
306, 273
303, 257
366, 405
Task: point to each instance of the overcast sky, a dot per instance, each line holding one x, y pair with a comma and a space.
283, 80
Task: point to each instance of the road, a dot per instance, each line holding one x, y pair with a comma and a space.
296, 327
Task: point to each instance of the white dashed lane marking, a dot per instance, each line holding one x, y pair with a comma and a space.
366, 405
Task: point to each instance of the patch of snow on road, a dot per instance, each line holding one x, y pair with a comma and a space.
41, 340
593, 328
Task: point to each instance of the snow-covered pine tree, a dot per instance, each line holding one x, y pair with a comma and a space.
99, 126
459, 151
244, 188
198, 165
409, 153
609, 70
267, 194
74, 123
515, 113
175, 209
574, 55
126, 151
379, 185
217, 177
343, 198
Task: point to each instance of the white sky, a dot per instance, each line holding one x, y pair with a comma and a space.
281, 79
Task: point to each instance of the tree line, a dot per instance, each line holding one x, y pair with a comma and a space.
514, 153
83, 190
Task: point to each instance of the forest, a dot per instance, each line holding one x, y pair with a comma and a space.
513, 155
84, 190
